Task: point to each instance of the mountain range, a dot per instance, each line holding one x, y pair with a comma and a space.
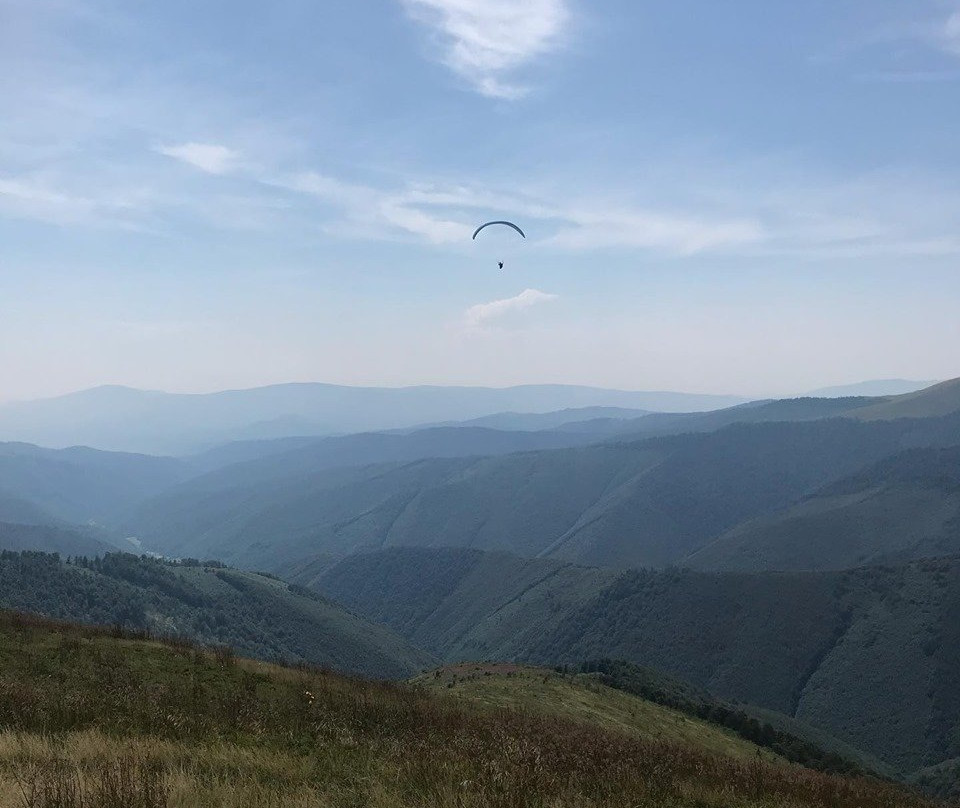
126, 419
799, 556
621, 502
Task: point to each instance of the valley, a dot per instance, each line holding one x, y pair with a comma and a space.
793, 563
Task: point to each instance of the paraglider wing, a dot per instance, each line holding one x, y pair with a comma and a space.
508, 224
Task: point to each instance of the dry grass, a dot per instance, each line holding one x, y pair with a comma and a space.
89, 721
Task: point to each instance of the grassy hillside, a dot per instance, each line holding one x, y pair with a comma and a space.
585, 700
89, 720
259, 616
786, 736
867, 655
905, 507
641, 503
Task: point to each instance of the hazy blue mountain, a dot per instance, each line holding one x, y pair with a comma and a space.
754, 412
242, 451
22, 511
941, 399
874, 387
534, 421
125, 419
904, 507
870, 655
262, 461
51, 539
621, 504
78, 484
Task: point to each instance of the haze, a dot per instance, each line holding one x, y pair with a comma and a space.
743, 198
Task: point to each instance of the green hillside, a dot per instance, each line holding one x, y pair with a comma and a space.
905, 507
107, 722
258, 616
585, 700
867, 655
777, 732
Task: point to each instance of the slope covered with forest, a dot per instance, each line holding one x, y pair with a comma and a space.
868, 655
905, 507
649, 502
256, 615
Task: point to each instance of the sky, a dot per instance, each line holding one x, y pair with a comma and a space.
749, 197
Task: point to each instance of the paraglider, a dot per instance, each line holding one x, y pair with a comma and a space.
506, 224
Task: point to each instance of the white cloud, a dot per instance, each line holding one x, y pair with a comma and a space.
42, 198
378, 213
484, 314
951, 33
486, 41
207, 157
683, 235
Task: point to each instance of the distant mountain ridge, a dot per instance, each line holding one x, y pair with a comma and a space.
623, 503
79, 485
125, 419
873, 387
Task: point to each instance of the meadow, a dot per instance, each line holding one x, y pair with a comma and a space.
95, 718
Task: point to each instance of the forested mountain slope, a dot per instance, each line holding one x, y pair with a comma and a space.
869, 655
904, 507
461, 604
621, 504
259, 616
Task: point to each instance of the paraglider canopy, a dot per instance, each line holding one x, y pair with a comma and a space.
507, 224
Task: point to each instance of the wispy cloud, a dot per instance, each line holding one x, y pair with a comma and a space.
587, 228
867, 216
487, 41
33, 196
951, 33
485, 314
376, 213
208, 157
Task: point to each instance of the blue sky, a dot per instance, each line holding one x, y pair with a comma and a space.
748, 197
